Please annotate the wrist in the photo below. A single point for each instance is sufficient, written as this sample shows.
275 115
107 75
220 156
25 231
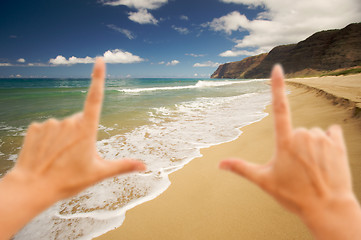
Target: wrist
334 218
30 189
22 198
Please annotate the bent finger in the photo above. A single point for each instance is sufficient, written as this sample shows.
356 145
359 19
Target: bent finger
94 100
335 133
32 138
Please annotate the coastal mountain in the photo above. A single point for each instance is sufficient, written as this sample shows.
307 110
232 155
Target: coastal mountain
238 69
320 53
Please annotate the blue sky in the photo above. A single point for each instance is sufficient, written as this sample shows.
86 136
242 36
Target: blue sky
154 38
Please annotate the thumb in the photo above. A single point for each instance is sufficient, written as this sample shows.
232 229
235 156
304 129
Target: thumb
113 168
248 170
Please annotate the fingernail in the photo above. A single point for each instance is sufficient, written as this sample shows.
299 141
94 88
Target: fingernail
140 168
224 167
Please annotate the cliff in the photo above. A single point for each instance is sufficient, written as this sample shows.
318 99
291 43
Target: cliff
238 69
322 52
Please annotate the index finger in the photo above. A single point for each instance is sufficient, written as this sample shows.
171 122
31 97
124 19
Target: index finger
94 100
282 116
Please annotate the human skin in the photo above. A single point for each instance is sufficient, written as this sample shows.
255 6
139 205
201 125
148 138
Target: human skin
58 160
308 173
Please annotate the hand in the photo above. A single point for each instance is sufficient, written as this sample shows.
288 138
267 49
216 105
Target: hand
309 173
62 154
58 160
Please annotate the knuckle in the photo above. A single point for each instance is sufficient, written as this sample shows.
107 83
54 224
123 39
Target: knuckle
300 133
76 117
340 147
67 122
52 122
94 97
266 184
316 129
335 127
315 133
301 136
280 106
34 127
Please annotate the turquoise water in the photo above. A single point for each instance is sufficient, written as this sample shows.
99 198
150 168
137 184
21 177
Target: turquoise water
163 122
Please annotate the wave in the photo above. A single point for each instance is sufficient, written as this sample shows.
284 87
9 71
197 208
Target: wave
165 144
199 84
138 90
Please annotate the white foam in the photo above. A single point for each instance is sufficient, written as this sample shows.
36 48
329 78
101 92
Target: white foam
224 83
13 157
199 84
105 129
12 130
172 139
1 143
138 90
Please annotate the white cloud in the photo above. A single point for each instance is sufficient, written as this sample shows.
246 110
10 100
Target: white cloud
181 30
15 76
236 53
124 31
231 22
21 60
24 65
38 65
162 62
75 60
110 56
195 55
172 63
184 17
138 4
285 22
143 17
118 56
60 60
206 64
245 2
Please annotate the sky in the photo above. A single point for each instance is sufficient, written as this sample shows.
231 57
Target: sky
154 38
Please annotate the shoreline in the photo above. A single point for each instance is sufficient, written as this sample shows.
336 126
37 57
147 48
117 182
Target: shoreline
344 91
205 203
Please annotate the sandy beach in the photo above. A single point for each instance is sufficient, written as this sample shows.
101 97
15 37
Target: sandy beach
204 202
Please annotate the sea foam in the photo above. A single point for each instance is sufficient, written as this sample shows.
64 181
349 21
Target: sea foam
173 137
199 84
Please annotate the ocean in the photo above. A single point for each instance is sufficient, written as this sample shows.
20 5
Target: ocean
161 121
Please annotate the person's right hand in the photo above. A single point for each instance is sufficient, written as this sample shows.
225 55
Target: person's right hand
308 174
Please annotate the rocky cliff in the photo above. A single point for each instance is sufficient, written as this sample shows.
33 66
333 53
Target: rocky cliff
323 51
238 69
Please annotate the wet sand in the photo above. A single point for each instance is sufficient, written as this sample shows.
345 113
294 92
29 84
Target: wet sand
204 202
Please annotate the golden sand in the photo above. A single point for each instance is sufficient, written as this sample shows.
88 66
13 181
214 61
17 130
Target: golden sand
204 202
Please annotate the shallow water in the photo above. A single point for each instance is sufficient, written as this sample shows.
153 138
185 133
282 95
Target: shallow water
163 122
